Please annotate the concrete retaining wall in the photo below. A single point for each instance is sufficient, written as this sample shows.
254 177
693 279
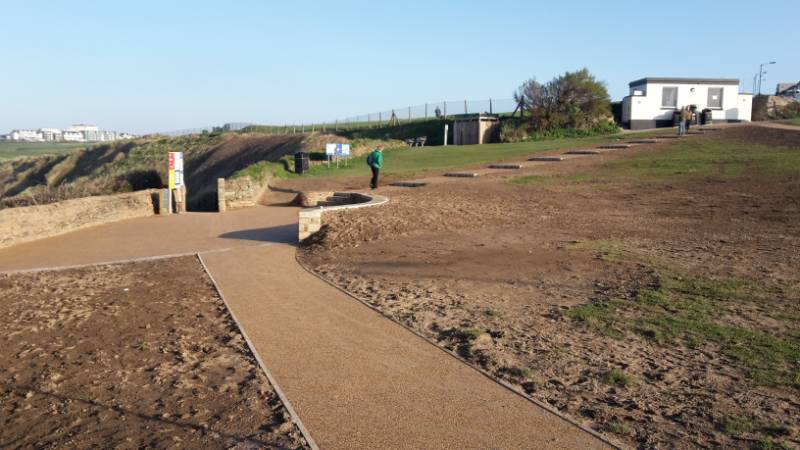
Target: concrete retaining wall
28 223
310 220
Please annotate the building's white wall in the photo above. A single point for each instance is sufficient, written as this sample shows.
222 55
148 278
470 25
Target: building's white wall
745 107
648 107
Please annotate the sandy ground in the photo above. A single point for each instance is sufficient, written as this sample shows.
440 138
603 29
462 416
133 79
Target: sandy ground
141 355
490 269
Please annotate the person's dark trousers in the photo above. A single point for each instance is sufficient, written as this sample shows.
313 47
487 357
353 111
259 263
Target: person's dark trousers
375 172
688 124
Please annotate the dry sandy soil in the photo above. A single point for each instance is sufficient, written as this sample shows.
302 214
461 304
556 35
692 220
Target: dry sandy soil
663 313
141 355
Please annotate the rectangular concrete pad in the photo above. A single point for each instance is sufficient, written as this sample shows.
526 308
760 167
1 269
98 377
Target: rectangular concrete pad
546 158
643 141
668 136
360 381
612 146
461 174
583 152
409 183
505 166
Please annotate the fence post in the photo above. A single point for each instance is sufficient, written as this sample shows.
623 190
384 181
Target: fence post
380 119
445 108
426 110
409 114
490 106
465 107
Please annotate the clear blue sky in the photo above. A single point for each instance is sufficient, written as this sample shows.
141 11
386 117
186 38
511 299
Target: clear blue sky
144 66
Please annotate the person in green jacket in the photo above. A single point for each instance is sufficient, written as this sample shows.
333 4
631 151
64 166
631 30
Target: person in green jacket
375 162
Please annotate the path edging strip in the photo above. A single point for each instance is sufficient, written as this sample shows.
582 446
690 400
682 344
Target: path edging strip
292 413
452 354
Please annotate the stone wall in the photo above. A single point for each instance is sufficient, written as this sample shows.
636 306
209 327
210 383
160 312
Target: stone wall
239 192
310 220
771 107
28 223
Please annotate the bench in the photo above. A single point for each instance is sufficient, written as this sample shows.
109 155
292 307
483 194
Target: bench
417 141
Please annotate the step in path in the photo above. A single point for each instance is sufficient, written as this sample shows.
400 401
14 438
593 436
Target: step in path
461 174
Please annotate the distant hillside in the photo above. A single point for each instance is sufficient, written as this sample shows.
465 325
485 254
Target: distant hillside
141 164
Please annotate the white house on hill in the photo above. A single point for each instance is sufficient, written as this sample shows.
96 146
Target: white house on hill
652 101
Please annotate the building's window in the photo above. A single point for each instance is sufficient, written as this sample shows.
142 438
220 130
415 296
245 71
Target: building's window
715 98
669 97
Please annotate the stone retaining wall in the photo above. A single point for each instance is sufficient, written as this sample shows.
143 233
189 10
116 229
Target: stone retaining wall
28 223
310 220
239 192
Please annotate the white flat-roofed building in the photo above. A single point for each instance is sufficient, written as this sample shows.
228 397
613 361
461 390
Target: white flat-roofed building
73 136
26 135
50 134
653 100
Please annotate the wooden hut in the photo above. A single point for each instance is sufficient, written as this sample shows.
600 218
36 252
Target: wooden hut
470 129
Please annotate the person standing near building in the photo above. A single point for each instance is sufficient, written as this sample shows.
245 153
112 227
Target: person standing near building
375 163
683 120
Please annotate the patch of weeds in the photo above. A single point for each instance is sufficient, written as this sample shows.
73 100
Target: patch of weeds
529 180
470 334
598 316
607 250
518 372
491 312
619 428
771 444
141 346
738 425
616 377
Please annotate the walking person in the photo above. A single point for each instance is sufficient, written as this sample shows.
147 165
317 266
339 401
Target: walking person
375 162
689 114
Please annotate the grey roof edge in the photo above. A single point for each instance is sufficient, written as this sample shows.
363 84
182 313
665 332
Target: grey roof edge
683 80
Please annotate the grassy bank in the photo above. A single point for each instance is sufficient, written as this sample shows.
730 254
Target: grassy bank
407 161
13 150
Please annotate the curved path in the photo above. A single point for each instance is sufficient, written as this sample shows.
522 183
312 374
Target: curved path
355 378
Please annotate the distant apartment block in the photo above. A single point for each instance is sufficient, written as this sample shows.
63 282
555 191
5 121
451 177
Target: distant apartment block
75 133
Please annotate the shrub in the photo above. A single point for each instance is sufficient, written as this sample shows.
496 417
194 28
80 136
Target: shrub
574 100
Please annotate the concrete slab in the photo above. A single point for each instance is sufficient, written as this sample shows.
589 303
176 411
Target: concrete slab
583 152
461 174
546 158
410 184
615 146
668 136
643 141
505 166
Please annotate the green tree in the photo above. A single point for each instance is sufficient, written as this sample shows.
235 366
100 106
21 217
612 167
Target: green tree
575 100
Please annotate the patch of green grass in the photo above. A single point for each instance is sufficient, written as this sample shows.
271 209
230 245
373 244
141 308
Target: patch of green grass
738 425
686 310
598 316
619 428
607 250
616 377
470 334
702 157
529 180
771 444
262 169
13 150
794 121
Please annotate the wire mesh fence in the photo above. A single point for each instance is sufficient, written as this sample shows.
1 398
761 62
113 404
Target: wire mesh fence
390 117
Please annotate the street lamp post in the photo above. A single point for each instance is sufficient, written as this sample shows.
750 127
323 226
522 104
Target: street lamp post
761 73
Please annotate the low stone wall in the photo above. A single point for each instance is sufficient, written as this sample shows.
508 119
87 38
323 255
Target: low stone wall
28 223
310 220
239 192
